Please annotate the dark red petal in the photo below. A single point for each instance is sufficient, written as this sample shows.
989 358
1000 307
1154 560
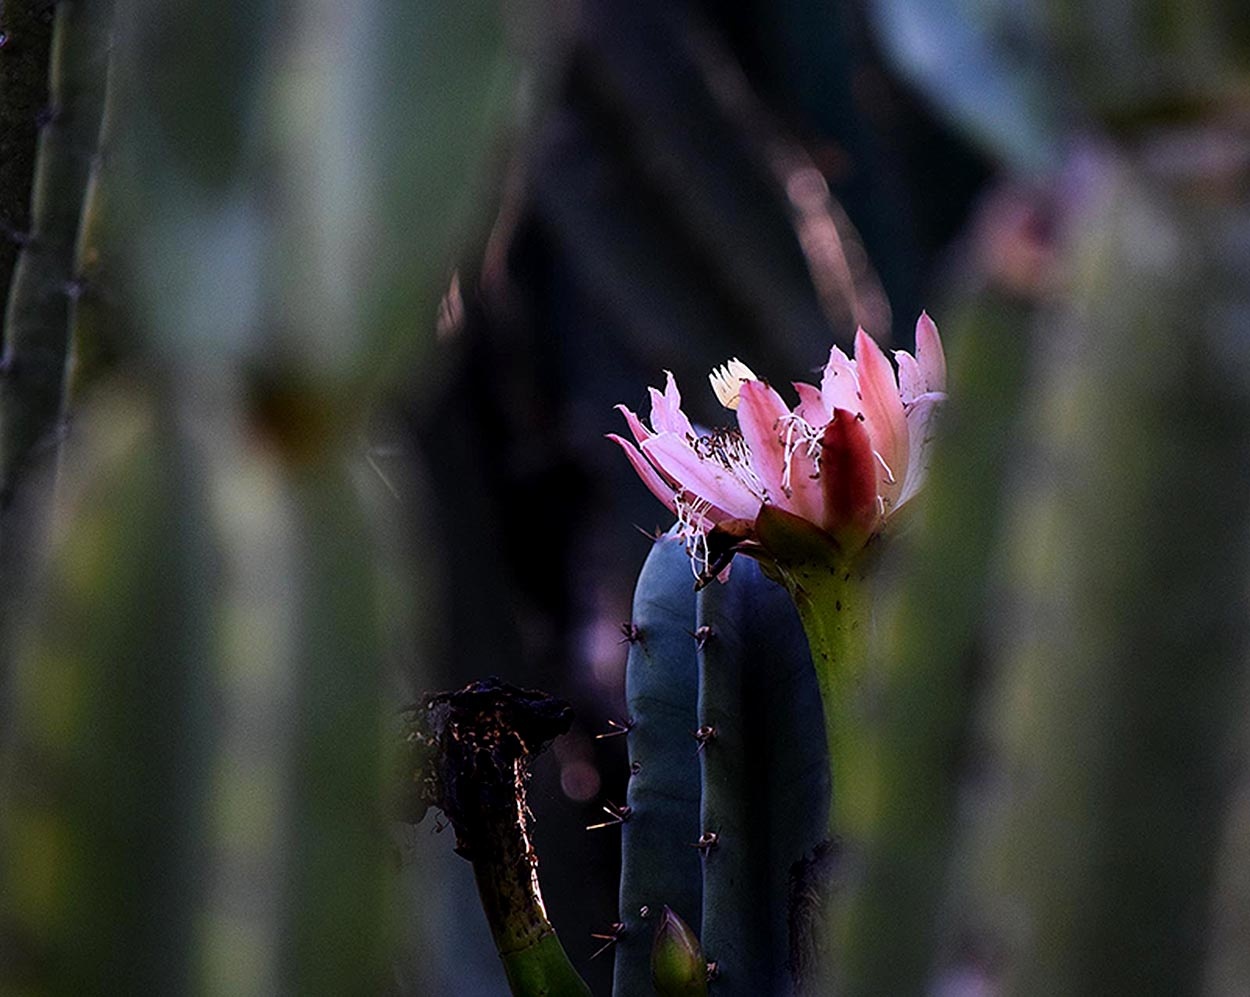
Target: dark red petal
848 480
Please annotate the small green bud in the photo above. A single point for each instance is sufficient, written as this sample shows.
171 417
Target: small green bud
678 968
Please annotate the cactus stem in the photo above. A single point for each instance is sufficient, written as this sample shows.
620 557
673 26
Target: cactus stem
484 738
834 611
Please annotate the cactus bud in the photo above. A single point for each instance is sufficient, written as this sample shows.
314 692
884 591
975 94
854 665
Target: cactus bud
678 968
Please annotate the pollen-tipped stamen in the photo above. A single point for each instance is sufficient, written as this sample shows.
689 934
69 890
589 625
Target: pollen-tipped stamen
798 433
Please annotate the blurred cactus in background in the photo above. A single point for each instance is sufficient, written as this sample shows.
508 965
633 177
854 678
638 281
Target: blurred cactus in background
193 786
1063 718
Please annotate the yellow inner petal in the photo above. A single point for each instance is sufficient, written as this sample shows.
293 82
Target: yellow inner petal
727 381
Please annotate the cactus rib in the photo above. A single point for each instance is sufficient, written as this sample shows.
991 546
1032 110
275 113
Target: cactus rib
658 865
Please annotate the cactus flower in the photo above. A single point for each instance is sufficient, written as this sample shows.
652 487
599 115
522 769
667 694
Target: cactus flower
849 455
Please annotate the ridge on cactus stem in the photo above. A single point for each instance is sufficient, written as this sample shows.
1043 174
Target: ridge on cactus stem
849 455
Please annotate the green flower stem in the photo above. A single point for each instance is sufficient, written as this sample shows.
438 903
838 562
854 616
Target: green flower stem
830 589
834 607
831 592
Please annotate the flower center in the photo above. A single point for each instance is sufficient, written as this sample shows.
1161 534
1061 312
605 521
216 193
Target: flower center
727 449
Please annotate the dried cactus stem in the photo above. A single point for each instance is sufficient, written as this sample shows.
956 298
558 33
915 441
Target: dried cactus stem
483 740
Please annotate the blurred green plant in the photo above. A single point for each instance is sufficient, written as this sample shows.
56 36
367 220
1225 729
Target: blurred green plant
36 330
1121 643
193 784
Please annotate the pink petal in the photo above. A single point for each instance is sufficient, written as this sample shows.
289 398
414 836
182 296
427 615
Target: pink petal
666 413
760 410
636 428
910 379
887 425
806 499
929 354
920 430
673 456
812 408
645 471
839 385
848 478
641 434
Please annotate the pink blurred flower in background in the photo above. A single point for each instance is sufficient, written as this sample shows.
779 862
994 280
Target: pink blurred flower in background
848 456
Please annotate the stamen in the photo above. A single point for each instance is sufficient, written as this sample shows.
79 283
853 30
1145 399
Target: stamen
727 381
727 448
692 527
799 433
889 475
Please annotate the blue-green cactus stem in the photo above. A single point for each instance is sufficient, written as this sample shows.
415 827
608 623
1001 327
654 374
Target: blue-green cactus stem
659 866
794 760
764 783
735 919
